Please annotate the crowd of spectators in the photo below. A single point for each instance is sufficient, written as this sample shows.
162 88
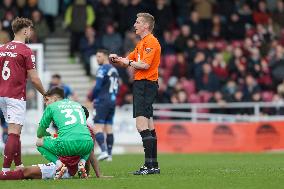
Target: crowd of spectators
42 12
212 50
221 51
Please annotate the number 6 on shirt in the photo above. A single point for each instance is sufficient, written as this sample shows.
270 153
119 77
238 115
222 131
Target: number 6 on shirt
6 72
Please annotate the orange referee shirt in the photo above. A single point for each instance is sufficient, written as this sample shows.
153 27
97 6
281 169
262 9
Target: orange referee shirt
148 50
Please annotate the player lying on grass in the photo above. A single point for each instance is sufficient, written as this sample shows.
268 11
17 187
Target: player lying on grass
48 171
74 138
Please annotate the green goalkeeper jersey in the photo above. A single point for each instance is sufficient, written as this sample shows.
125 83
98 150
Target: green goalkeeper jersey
70 119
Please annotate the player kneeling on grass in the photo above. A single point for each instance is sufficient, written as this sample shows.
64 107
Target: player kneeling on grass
48 171
74 138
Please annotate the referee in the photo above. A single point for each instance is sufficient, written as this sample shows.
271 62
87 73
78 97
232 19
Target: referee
145 59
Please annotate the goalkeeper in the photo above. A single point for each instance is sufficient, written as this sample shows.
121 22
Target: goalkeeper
74 138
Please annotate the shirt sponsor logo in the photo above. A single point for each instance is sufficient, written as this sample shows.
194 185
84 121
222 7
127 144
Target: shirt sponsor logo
10 54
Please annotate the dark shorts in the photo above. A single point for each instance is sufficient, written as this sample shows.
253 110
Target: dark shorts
144 94
104 113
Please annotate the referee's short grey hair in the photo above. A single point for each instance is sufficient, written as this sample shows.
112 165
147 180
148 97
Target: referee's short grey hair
148 18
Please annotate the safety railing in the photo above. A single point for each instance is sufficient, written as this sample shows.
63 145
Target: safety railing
197 112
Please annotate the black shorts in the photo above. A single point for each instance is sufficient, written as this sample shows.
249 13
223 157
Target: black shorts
104 113
144 94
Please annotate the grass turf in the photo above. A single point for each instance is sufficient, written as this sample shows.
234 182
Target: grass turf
177 171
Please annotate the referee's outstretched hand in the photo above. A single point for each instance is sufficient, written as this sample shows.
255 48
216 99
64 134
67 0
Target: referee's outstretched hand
115 59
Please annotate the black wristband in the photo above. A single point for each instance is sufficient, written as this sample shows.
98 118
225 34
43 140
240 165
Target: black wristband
129 63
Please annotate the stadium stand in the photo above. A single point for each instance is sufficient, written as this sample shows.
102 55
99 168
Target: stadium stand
212 53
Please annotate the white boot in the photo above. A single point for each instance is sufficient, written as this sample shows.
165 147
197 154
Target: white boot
103 156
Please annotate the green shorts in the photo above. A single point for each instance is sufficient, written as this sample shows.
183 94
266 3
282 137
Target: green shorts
60 147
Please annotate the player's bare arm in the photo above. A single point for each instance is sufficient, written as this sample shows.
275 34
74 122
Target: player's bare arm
125 62
33 75
95 165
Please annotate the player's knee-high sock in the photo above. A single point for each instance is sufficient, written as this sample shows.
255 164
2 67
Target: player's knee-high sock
100 138
12 175
10 150
47 154
18 154
147 140
109 141
154 151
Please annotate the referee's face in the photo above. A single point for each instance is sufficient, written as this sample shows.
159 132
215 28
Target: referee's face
139 26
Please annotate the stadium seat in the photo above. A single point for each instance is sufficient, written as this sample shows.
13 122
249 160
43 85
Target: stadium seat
170 61
202 44
267 96
189 86
194 98
221 45
205 96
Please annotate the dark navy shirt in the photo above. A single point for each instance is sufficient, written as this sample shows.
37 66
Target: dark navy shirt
106 87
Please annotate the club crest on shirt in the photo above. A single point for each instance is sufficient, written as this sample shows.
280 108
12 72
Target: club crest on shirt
33 58
148 50
100 73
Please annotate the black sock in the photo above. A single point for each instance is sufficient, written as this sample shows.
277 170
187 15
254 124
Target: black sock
154 151
109 141
147 140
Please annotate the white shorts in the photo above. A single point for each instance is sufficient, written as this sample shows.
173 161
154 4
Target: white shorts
48 171
13 109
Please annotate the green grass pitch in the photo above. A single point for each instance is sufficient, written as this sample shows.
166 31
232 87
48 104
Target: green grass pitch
177 171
